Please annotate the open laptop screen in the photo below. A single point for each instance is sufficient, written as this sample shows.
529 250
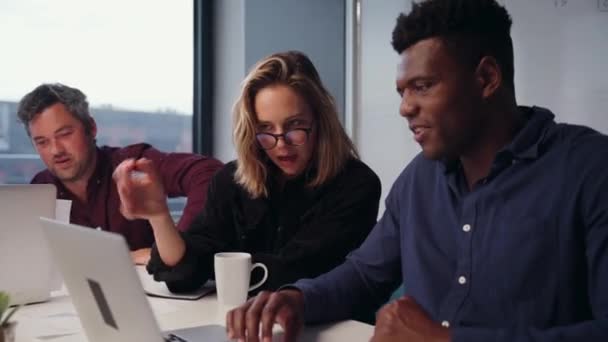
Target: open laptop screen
106 290
25 263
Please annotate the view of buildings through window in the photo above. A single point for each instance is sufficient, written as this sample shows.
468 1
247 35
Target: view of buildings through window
116 127
133 60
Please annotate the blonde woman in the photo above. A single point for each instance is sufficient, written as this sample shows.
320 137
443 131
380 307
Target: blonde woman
297 197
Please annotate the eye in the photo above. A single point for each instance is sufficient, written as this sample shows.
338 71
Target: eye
63 134
40 142
297 123
422 86
264 128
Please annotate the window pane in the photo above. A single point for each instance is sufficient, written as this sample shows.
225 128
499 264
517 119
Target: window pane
133 59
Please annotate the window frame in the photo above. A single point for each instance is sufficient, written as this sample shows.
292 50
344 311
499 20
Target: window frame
202 107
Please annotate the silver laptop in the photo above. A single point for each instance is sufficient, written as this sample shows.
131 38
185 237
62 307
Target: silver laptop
106 290
25 264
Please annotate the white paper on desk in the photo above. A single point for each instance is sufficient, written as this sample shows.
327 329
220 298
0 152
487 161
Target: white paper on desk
160 306
52 325
63 209
159 289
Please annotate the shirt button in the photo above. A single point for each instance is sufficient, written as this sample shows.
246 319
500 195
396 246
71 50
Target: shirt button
445 324
462 280
466 228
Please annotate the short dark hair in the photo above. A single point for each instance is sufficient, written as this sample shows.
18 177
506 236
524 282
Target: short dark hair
48 94
471 29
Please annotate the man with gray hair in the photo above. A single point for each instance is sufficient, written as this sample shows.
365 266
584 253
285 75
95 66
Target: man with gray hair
57 119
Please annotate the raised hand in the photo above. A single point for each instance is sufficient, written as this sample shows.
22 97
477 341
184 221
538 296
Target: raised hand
141 191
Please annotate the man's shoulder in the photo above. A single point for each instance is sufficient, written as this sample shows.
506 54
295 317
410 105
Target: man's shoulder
583 146
118 154
139 150
579 140
579 133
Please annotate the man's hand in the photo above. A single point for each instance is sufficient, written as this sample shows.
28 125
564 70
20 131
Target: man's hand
141 256
285 307
141 191
405 320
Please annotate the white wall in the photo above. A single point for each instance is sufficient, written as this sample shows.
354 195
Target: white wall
272 26
383 137
561 58
246 31
561 62
229 43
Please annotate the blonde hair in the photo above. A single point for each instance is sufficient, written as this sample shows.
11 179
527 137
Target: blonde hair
333 147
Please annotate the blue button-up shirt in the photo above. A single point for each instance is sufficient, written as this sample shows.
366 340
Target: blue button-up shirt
523 256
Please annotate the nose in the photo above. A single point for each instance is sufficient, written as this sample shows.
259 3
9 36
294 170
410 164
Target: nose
56 147
408 107
281 141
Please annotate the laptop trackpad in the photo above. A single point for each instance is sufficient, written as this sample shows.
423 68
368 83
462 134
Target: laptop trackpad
206 333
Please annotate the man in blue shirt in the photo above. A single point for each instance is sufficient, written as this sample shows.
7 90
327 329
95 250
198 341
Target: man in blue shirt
498 229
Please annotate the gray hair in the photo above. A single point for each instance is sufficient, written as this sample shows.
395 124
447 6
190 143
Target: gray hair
48 94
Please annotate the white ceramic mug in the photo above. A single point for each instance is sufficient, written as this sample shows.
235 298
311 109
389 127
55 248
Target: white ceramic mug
232 276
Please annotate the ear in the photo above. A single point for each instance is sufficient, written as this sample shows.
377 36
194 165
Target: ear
93 128
488 76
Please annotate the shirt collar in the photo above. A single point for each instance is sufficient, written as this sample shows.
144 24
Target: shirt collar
101 166
526 143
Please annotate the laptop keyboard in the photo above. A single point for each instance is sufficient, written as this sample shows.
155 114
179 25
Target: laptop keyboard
174 338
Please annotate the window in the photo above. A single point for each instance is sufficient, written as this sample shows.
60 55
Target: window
133 59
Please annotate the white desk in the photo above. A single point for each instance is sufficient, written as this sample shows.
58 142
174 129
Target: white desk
57 321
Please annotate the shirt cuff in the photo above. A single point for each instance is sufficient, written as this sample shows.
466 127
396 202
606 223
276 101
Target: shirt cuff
313 308
187 275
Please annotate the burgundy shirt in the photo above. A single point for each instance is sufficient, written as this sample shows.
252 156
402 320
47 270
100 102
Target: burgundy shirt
183 174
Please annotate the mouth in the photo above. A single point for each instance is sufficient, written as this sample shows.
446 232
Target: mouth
420 132
62 161
287 160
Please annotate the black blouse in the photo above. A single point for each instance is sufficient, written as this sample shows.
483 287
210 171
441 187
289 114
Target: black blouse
297 232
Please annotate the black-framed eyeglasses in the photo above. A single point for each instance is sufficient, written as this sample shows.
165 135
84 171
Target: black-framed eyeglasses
292 137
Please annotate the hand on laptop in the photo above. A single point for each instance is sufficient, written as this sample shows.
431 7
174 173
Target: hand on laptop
285 307
141 256
141 191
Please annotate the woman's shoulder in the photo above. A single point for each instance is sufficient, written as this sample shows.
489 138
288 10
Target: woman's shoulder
225 182
358 168
356 172
225 176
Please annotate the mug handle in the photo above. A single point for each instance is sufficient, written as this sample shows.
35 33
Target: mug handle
259 283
